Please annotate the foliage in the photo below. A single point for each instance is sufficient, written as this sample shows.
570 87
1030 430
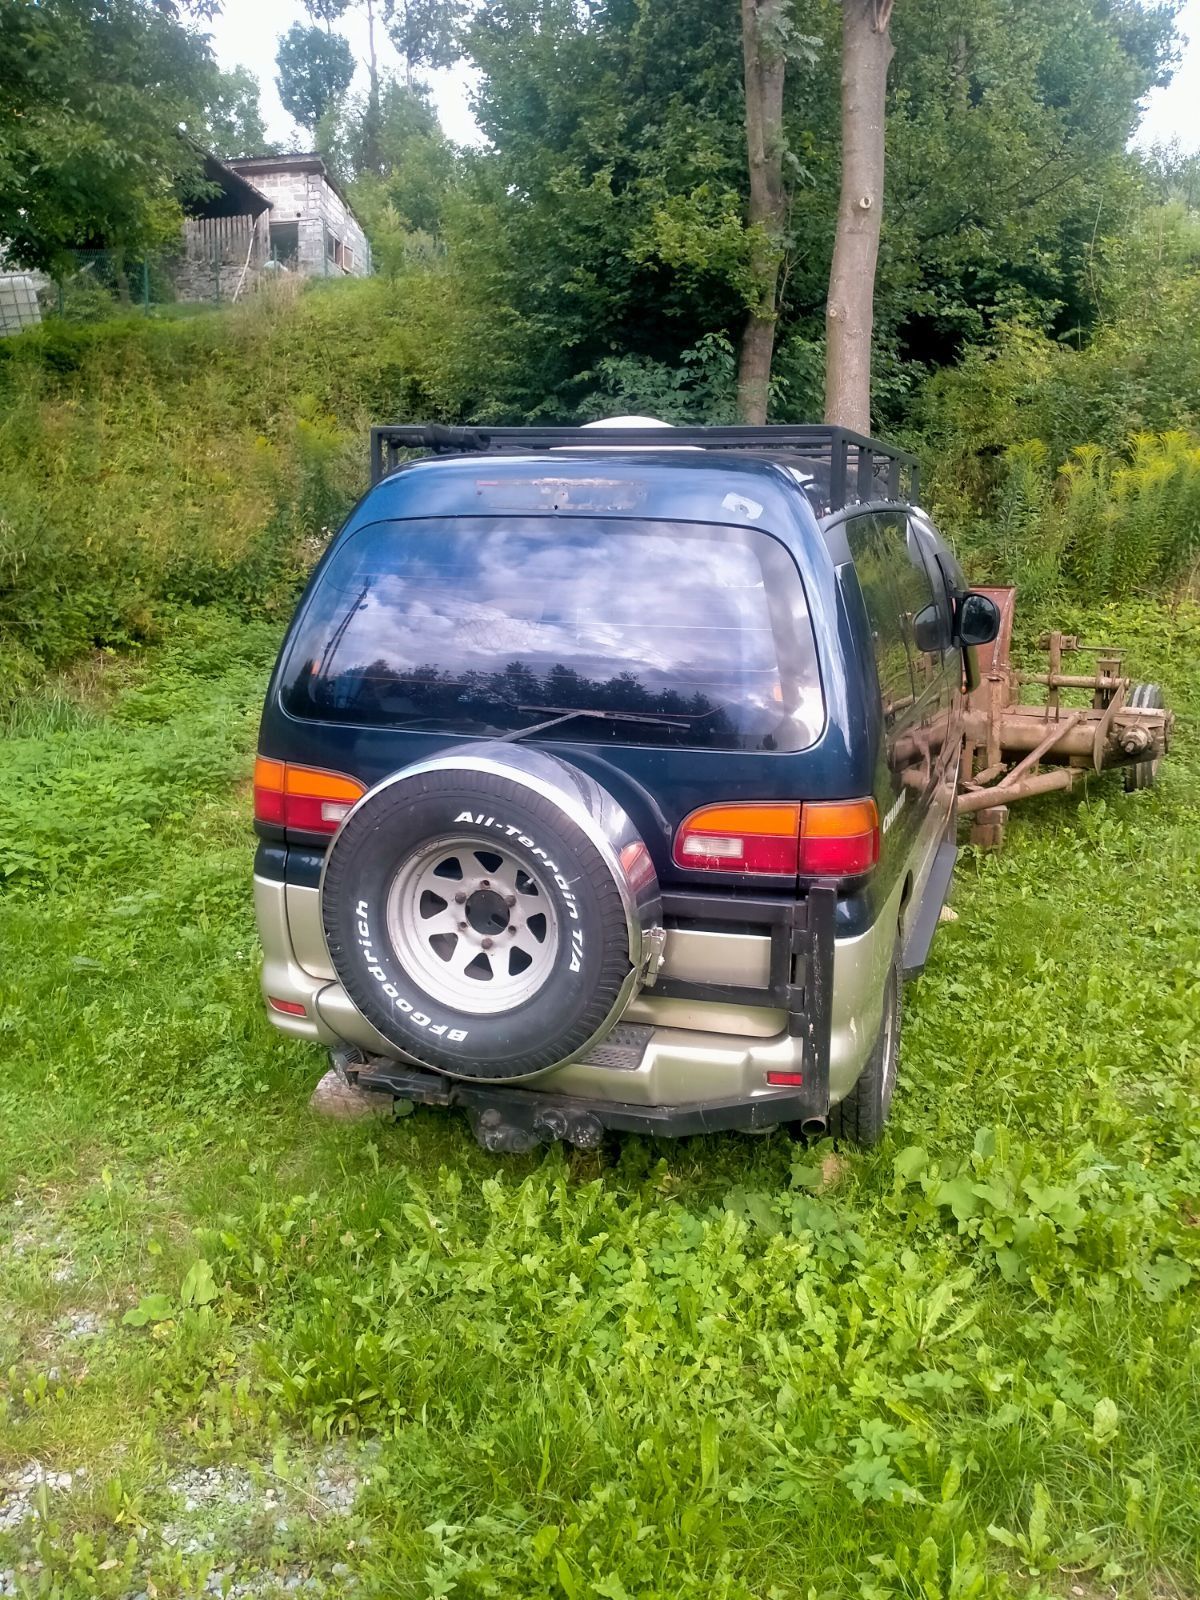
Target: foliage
609 215
315 69
81 164
1063 464
398 165
233 121
426 33
145 465
955 1366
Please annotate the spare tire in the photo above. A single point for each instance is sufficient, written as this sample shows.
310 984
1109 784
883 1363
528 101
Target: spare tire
490 913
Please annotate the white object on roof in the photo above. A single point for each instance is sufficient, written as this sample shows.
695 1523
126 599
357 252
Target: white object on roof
633 422
629 422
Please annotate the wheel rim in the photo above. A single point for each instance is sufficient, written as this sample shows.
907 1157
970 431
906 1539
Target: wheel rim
473 925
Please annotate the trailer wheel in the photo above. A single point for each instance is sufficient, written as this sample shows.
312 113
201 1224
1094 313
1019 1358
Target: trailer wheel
860 1117
1141 774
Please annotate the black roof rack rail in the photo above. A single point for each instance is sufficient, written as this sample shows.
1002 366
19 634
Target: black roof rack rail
850 467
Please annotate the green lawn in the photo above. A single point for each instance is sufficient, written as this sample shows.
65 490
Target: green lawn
252 1353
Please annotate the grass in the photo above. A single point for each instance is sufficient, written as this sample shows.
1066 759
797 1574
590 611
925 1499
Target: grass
253 1350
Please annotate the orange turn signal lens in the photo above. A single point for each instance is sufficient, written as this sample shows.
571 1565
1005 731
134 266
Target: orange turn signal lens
303 797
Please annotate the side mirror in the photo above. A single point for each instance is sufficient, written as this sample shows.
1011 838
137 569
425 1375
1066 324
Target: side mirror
927 631
978 620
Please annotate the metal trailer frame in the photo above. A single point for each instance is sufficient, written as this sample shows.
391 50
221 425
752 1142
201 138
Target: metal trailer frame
1013 750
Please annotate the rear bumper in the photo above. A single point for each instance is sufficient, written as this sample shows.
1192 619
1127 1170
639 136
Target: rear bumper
516 1119
692 1055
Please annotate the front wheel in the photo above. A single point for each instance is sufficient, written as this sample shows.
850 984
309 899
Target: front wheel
861 1116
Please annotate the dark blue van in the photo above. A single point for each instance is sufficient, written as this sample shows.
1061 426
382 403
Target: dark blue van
607 775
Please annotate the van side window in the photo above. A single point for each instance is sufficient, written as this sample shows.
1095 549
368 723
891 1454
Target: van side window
920 620
878 548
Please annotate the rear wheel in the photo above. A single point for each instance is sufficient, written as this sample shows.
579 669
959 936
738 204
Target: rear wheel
861 1116
1141 774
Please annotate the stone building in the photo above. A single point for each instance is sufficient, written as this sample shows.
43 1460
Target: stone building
253 218
268 214
312 228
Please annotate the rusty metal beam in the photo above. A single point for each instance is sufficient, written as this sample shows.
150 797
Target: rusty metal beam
1003 794
1056 732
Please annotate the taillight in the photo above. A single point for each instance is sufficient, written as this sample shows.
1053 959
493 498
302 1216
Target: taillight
819 839
302 797
745 838
838 838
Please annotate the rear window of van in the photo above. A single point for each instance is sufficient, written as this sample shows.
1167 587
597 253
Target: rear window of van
633 632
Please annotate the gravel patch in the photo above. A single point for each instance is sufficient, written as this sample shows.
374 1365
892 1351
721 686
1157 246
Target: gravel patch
221 1513
19 1490
81 1324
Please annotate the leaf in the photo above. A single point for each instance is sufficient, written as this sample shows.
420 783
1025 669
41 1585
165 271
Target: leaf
1038 1541
911 1160
1165 1277
959 1194
544 1540
568 1580
710 1448
1106 1420
150 1308
198 1287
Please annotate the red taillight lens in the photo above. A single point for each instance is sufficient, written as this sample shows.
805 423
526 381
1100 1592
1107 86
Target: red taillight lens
819 839
740 838
302 797
838 838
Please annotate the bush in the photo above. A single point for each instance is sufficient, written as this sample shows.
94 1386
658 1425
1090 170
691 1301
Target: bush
146 464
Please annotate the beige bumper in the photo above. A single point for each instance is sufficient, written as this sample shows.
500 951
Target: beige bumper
692 1052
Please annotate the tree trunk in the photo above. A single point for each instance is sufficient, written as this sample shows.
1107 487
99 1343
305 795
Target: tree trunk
765 66
370 154
849 315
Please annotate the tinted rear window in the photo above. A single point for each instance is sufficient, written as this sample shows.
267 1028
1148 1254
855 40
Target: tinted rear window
488 625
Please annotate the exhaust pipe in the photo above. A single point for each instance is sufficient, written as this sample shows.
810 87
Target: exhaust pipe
814 1127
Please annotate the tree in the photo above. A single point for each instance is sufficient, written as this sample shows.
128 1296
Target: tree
327 11
610 219
764 67
233 122
426 33
315 71
91 102
849 318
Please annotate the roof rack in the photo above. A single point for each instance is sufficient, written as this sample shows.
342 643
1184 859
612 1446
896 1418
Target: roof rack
846 468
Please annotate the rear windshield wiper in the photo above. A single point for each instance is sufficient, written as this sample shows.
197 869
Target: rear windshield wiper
569 713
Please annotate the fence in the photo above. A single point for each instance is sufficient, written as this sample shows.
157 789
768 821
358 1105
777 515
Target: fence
218 261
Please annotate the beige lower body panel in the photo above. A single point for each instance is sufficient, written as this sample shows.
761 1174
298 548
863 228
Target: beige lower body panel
698 1051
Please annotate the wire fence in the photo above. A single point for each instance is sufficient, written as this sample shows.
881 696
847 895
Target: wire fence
218 261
